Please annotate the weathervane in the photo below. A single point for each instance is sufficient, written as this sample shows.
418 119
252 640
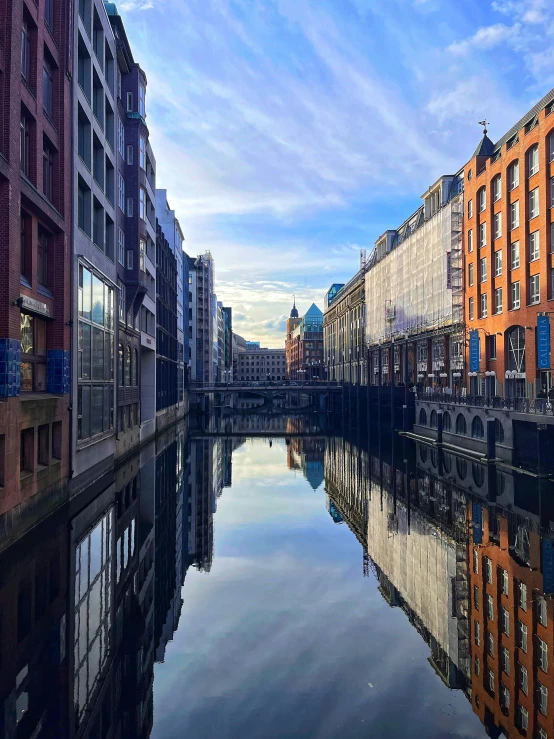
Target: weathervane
484 124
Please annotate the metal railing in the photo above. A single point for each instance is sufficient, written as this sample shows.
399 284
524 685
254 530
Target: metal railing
543 406
322 384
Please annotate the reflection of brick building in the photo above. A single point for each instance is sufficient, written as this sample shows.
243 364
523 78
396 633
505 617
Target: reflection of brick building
304 345
35 203
511 626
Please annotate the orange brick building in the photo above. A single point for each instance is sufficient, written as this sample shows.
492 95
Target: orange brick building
508 253
511 627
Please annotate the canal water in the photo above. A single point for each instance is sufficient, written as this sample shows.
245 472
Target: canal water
266 579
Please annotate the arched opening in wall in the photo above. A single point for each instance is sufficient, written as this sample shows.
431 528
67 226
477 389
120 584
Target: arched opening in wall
446 421
447 462
433 420
478 474
461 426
514 341
499 428
423 417
434 457
477 428
461 468
423 453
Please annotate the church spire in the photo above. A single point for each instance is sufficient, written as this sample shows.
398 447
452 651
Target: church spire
294 312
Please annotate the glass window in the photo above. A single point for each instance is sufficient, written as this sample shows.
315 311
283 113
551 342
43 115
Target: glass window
497 188
483 269
476 597
142 153
483 306
47 86
128 365
514 255
514 215
470 209
534 246
522 635
33 354
533 159
121 191
470 240
543 699
515 296
482 199
498 300
505 621
142 101
490 644
477 632
497 225
542 617
482 234
542 654
534 289
142 203
513 175
534 203
505 660
476 561
471 309
488 562
505 582
470 274
120 246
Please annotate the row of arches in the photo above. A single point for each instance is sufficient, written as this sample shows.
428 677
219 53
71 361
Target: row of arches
127 366
477 426
478 471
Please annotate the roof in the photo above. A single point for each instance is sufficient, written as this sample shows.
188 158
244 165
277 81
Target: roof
313 310
485 148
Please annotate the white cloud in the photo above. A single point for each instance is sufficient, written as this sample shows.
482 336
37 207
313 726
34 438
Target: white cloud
484 38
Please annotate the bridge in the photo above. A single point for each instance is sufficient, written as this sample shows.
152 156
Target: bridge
268 387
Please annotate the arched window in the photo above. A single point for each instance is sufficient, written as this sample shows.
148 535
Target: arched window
533 160
446 421
461 426
127 365
513 175
447 462
134 372
482 199
422 417
434 457
461 468
497 188
120 367
551 147
499 431
477 428
478 474
433 420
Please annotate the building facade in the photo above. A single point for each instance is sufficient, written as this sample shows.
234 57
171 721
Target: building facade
508 241
174 236
167 367
227 344
238 347
345 357
35 203
95 293
413 295
204 337
304 345
261 365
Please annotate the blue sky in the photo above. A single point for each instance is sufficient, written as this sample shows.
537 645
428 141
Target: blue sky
291 133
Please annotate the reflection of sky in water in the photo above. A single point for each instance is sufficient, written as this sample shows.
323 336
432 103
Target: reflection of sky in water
284 635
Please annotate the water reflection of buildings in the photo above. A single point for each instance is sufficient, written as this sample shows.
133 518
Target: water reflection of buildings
306 455
451 543
90 599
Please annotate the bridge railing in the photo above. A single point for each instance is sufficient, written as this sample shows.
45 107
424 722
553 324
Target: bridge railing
544 406
200 384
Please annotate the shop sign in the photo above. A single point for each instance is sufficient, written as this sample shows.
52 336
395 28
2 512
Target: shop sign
543 342
474 351
33 306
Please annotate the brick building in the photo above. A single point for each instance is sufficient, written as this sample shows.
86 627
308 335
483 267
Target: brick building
304 345
508 245
35 227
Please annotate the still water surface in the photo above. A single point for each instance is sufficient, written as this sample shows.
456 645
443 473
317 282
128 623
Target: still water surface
225 586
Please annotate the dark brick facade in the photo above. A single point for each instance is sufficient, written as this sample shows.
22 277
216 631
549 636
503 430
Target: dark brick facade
35 203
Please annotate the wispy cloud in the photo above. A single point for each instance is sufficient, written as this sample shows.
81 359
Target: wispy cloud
484 38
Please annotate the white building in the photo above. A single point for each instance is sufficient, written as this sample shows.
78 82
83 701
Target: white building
413 294
261 364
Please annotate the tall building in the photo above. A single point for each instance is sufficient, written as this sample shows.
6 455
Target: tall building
35 207
96 298
174 236
509 238
204 319
136 209
167 368
345 355
227 344
239 346
413 295
304 345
